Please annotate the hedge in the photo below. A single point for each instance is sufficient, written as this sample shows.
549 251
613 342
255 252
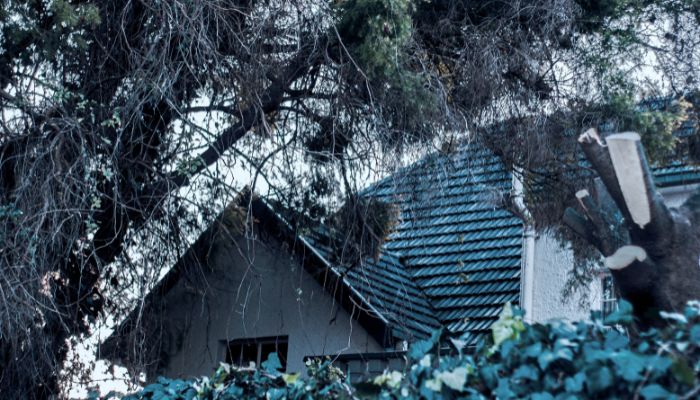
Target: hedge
557 360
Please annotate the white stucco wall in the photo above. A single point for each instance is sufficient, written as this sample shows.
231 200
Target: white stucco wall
551 265
675 196
548 268
257 290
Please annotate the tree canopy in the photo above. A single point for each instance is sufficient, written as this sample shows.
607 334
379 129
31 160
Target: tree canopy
122 122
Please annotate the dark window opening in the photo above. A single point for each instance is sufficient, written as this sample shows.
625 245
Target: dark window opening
243 352
609 296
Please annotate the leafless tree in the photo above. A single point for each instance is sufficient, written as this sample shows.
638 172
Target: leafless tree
121 121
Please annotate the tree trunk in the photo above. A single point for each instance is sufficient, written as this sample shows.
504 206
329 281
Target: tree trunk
31 369
654 262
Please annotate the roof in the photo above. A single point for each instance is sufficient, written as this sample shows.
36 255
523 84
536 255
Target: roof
457 239
389 287
120 342
455 257
683 170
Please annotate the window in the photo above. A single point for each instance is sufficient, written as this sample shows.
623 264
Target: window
609 299
242 352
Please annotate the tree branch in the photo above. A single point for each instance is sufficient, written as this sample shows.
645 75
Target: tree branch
209 108
600 159
626 175
270 101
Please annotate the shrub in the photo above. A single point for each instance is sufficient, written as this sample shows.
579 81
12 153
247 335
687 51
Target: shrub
558 360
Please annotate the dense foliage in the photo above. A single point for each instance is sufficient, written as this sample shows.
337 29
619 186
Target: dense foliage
558 360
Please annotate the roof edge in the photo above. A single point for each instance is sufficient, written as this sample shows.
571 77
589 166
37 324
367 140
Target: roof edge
371 319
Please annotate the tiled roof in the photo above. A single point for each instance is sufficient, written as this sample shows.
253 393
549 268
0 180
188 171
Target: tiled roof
682 171
459 243
388 286
676 174
454 259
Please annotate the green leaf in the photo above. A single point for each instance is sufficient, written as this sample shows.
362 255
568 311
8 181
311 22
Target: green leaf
548 357
652 392
290 379
623 314
503 390
526 371
455 380
682 371
545 358
673 317
614 340
533 350
391 379
542 396
275 394
508 326
489 374
599 379
273 364
629 365
420 348
695 334
574 384
659 364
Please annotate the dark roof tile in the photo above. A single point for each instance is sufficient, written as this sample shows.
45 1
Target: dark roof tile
454 259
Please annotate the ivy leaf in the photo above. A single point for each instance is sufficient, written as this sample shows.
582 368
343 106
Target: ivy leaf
434 385
623 314
455 380
391 379
290 379
547 357
659 364
420 348
614 340
272 365
489 374
652 392
629 365
673 317
503 390
534 350
526 371
599 379
574 384
682 371
544 359
275 393
695 334
508 326
542 396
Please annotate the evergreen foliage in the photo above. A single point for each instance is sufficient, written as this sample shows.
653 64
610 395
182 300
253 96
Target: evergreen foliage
557 360
360 228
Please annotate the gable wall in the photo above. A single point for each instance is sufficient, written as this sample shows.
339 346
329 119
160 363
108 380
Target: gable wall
256 289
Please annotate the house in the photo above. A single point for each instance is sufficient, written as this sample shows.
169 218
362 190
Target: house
453 261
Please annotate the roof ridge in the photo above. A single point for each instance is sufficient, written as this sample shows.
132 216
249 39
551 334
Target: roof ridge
428 157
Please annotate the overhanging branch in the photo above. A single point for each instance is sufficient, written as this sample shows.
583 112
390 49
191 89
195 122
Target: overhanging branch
270 101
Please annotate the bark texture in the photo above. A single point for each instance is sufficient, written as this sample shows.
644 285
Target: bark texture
653 251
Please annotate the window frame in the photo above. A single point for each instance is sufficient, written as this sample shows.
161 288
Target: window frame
609 296
258 342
